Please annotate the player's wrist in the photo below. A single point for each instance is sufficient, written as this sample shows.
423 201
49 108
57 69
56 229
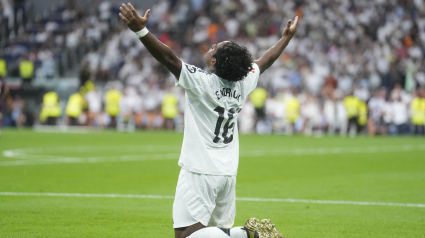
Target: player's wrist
287 35
143 32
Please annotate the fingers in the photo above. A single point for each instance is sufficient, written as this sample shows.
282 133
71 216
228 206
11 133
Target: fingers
124 19
124 12
288 24
133 10
296 21
126 8
147 14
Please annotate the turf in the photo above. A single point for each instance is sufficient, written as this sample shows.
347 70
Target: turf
378 169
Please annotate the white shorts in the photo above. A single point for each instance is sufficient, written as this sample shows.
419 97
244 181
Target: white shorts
208 199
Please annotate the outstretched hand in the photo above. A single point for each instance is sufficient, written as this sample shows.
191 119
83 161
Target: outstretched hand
290 30
133 20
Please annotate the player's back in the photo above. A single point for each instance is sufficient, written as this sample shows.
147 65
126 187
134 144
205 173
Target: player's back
211 144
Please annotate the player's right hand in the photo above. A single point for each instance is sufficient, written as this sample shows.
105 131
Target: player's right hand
133 20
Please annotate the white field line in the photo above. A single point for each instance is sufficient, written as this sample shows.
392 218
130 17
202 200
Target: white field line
334 150
288 200
33 156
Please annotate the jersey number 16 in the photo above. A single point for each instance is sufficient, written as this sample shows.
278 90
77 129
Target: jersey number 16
228 125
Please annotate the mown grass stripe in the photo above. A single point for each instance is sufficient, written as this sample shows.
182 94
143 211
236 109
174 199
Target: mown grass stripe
287 200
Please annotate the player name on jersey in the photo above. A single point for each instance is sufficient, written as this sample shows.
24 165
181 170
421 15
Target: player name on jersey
227 92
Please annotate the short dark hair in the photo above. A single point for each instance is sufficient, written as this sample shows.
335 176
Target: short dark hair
233 62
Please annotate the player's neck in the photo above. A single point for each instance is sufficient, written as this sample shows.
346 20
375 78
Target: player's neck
211 69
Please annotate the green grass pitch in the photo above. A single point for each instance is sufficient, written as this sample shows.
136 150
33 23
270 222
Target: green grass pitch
363 169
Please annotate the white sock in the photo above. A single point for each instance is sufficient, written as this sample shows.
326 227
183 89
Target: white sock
209 232
214 232
238 232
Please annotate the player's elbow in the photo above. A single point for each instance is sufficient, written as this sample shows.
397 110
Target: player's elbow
174 65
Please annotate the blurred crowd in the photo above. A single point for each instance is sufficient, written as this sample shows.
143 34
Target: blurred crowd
50 43
124 110
353 66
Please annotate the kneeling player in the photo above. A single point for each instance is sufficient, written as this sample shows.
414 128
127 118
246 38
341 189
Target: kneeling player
204 204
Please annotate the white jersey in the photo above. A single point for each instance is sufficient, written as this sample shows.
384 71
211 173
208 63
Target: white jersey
212 105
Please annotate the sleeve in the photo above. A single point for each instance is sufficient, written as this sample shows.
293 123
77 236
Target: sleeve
250 82
192 79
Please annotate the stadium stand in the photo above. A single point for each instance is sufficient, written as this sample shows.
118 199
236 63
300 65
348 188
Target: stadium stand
372 51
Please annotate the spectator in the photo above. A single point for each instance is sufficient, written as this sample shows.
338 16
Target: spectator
15 51
345 83
18 115
376 106
94 101
126 107
19 7
335 113
351 48
312 115
400 114
46 57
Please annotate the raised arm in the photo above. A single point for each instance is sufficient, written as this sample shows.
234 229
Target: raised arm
271 55
158 50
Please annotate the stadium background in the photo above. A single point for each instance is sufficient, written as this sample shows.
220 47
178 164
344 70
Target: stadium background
372 50
100 183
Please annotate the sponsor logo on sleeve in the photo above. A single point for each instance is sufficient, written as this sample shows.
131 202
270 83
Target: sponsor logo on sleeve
192 69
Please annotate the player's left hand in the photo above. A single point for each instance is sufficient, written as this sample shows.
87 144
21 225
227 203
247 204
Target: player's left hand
133 20
290 30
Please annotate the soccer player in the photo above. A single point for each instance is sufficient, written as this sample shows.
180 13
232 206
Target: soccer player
204 204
